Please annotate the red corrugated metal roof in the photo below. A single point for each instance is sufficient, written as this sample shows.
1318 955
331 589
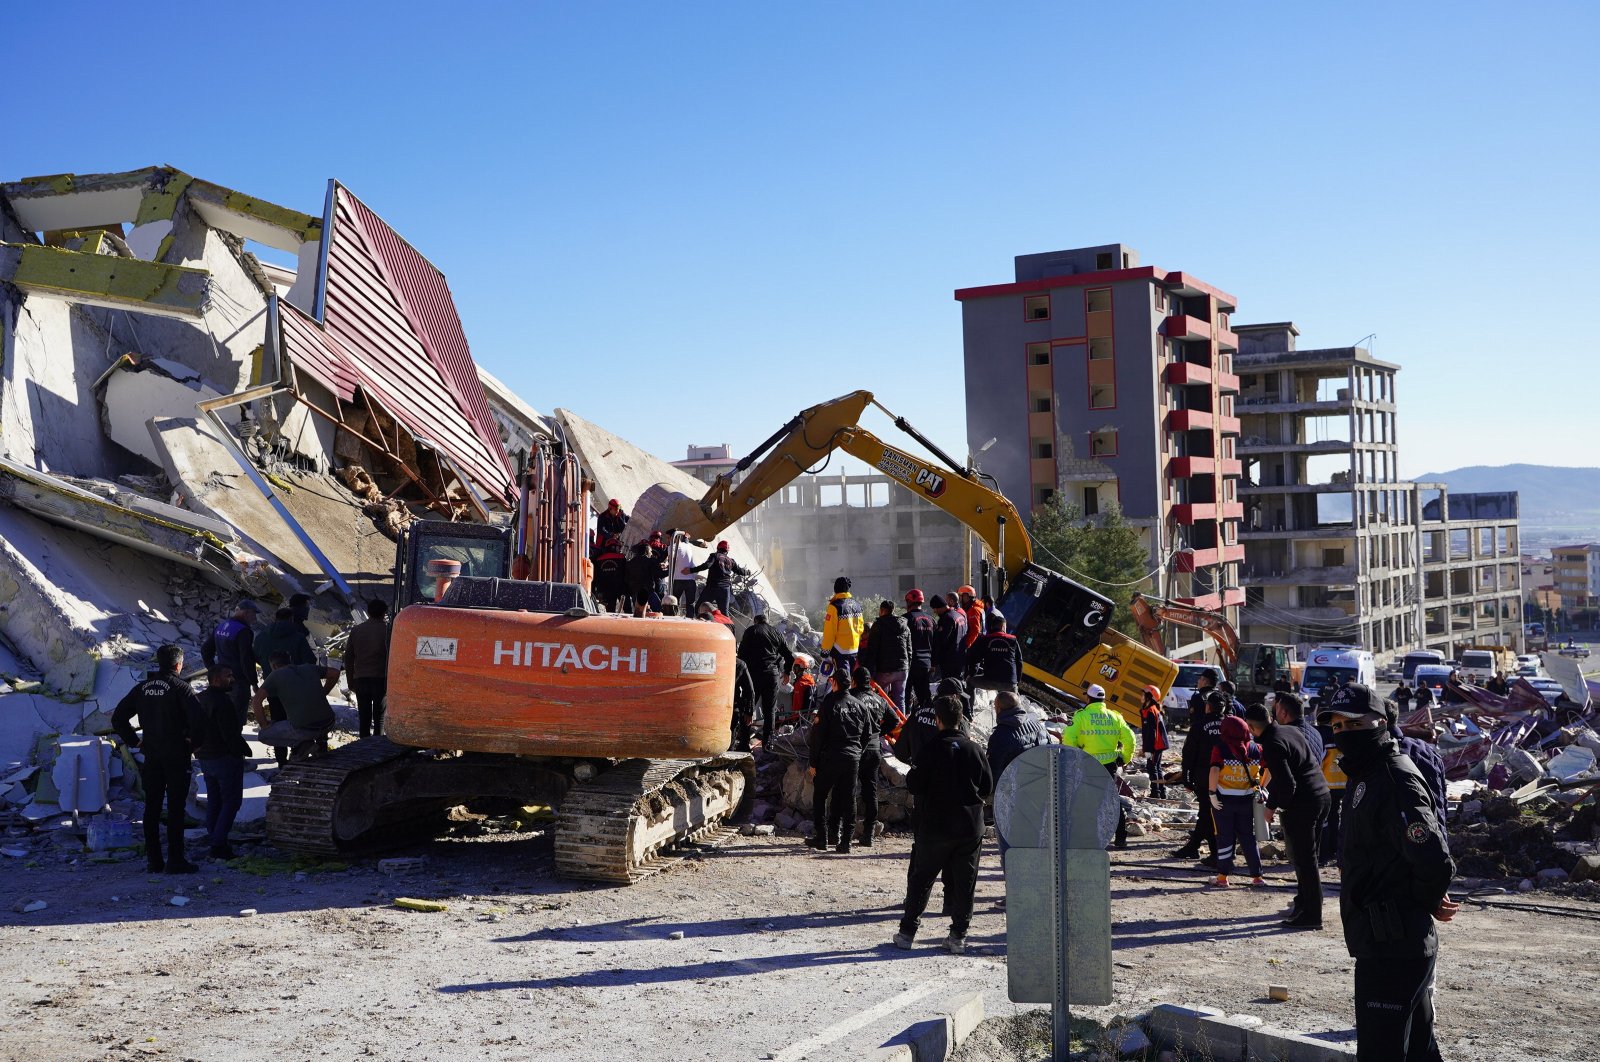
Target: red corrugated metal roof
390 327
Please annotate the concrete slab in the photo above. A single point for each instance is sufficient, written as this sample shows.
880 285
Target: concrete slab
135 391
623 471
1269 1044
1176 1026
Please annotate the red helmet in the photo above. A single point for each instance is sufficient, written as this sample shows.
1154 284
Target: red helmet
722 547
914 597
966 590
655 536
613 504
1154 691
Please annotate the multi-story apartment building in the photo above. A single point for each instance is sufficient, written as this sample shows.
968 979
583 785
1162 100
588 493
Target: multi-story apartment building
1577 574
706 463
1101 379
1331 533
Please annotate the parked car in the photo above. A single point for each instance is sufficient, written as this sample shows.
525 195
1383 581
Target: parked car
1183 687
1549 689
1529 671
1525 659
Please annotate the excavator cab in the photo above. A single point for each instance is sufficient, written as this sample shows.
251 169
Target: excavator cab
1057 621
481 551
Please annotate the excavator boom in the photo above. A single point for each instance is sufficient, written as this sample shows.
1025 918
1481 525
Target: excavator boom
1149 612
1063 626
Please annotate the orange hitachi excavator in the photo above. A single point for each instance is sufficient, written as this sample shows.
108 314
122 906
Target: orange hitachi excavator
521 689
1253 666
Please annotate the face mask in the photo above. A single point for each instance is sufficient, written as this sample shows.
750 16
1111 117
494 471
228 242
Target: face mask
1357 741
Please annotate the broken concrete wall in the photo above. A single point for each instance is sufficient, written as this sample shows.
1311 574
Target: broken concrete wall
152 388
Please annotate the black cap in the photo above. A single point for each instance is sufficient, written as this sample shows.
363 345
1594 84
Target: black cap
1354 701
1257 713
841 585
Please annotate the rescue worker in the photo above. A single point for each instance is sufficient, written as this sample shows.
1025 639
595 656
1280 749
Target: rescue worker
168 713
1296 790
840 729
610 524
720 569
1017 728
959 614
221 750
669 606
1100 732
888 653
1204 731
610 580
1153 739
949 656
710 612
801 687
232 643
1395 883
919 680
1328 847
1234 787
1197 702
366 659
767 656
970 607
950 780
881 720
658 553
994 662
842 624
643 574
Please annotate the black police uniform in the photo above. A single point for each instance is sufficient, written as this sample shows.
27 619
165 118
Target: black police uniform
1396 870
170 717
919 684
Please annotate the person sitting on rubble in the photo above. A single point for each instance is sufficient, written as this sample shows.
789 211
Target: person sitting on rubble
301 692
168 710
283 635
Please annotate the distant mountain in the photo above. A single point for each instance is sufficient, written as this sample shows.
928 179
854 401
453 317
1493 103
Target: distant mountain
1558 505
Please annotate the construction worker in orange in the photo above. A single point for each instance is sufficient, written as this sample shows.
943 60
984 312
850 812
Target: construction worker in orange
972 609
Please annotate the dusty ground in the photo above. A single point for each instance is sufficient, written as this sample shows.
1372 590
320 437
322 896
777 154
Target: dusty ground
782 951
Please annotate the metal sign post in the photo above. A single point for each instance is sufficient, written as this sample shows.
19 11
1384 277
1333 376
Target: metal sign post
1056 809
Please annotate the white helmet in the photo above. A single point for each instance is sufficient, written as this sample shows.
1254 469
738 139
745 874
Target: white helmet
1096 692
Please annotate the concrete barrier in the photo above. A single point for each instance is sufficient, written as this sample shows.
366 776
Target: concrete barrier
936 1039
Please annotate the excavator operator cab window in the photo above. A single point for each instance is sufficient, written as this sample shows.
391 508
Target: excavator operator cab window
478 557
1057 621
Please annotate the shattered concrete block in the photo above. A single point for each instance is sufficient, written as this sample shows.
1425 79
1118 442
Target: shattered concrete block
179 901
1551 875
1178 1027
1588 868
1281 1045
1129 1041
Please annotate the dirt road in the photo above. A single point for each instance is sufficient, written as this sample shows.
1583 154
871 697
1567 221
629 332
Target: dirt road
784 954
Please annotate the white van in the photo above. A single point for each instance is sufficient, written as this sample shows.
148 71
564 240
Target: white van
1176 704
1434 677
1332 665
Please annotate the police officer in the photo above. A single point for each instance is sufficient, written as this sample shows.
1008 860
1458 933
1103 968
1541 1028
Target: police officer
1104 735
1396 879
169 716
768 656
1205 730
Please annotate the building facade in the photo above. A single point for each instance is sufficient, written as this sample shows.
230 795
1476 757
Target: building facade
1576 575
1103 380
706 463
1337 547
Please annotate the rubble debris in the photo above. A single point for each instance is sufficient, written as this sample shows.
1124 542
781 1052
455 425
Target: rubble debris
30 906
401 864
179 901
248 912
428 906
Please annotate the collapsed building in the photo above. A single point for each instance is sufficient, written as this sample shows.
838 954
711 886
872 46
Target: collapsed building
183 423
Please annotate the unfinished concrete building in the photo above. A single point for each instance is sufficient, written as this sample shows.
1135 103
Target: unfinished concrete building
885 538
1469 568
1330 540
1331 533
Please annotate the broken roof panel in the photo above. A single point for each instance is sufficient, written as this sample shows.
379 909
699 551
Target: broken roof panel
389 326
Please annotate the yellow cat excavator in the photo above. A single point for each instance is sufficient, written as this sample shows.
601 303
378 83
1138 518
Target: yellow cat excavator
1064 628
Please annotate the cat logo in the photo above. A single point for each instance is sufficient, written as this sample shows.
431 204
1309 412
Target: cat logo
1108 672
931 482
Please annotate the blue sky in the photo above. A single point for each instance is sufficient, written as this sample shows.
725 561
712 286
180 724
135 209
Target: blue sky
686 222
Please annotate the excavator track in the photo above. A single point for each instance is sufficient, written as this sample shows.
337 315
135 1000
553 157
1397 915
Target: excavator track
303 808
636 818
1052 701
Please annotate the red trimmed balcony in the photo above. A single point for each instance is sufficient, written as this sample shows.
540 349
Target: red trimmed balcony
1208 602
1191 419
1228 425
1232 510
1232 553
1226 340
1189 560
1194 512
1233 596
1231 466
1227 382
1182 326
1187 372
1184 467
